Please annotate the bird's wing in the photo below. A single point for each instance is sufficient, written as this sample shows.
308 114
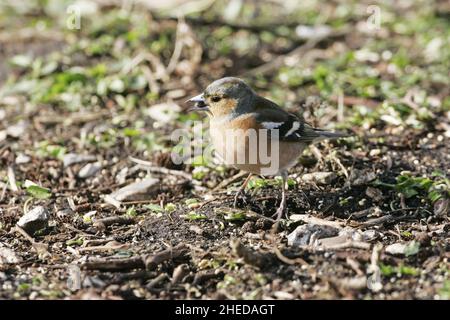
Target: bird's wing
290 127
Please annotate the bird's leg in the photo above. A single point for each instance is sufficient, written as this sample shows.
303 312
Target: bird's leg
241 189
282 207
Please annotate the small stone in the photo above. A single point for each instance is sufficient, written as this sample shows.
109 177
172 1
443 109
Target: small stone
64 213
408 249
34 220
375 152
8 256
396 248
73 158
22 158
359 177
89 170
303 234
136 191
323 178
18 129
370 235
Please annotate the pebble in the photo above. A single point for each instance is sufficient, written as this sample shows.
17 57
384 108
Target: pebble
34 220
89 170
323 178
22 158
396 248
18 129
140 190
301 236
73 158
8 256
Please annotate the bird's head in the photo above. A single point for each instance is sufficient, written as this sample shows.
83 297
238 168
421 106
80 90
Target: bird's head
223 97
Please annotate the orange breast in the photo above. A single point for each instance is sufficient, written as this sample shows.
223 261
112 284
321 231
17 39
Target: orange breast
245 144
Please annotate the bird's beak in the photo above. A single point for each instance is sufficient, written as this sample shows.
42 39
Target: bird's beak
200 103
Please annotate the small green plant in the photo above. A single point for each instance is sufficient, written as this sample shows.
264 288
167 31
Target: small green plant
39 192
192 215
259 183
153 207
75 242
131 212
411 186
234 216
402 270
45 149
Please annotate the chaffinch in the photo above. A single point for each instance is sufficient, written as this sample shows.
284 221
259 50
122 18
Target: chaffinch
253 133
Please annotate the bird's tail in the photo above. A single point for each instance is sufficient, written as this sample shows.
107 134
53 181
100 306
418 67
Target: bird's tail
324 134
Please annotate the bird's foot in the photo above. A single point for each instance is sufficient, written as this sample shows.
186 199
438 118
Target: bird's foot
279 213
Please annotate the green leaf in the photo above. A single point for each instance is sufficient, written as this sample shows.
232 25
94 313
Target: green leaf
39 192
132 212
412 248
154 207
195 216
409 192
235 216
130 132
75 242
170 207
434 196
257 183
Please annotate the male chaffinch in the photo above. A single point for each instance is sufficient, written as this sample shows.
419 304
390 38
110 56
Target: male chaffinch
253 133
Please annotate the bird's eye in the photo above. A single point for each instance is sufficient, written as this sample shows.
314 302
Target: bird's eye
216 99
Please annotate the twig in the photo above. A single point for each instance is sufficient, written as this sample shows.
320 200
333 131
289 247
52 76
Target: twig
150 167
230 180
105 222
107 247
154 282
114 264
152 261
41 248
12 179
364 213
374 281
179 273
339 163
354 265
5 186
179 43
387 219
314 220
287 260
345 245
203 276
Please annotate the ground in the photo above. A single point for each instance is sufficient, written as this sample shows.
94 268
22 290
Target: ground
113 88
